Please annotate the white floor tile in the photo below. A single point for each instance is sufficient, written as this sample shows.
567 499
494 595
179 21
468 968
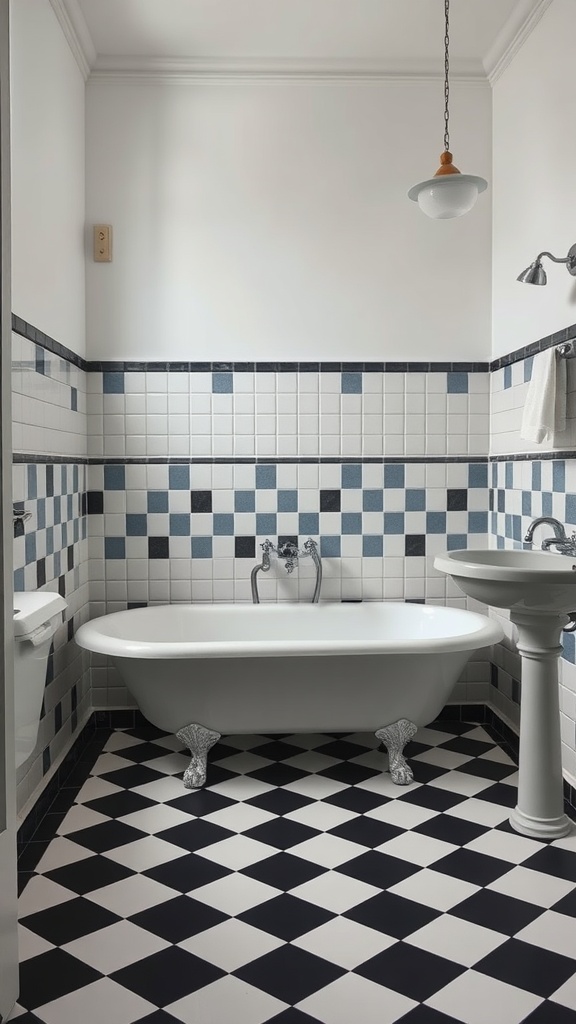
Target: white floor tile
383 786
566 994
170 764
237 852
42 893
505 845
352 997
317 787
110 763
94 788
553 931
475 998
461 941
226 1000
364 739
480 811
231 944
239 817
243 762
459 782
404 815
61 852
145 853
79 817
321 815
103 1000
499 755
532 886
246 741
120 740
433 889
443 758
155 819
376 759
417 848
433 736
131 895
344 942
18 1011
479 734
311 761
335 892
170 743
110 949
30 944
235 893
327 850
241 788
162 790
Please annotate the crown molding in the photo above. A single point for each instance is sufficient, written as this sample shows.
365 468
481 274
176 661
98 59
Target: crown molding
512 36
140 70
76 32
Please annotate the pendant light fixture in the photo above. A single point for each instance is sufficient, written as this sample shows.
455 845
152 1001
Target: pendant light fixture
449 193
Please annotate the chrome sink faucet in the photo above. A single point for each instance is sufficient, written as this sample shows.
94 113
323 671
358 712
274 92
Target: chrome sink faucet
565 545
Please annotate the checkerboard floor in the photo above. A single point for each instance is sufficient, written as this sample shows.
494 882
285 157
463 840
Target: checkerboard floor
301 886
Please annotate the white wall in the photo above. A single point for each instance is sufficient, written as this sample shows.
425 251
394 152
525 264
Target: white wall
268 220
533 181
48 173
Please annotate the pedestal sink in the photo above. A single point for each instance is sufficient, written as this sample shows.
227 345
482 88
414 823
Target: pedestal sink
539 589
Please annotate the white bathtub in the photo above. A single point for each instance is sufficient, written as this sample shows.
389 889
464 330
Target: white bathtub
289 667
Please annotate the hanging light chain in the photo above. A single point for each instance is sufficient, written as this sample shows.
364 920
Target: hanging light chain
446 73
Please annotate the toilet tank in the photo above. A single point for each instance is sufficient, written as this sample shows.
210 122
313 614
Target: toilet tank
37 615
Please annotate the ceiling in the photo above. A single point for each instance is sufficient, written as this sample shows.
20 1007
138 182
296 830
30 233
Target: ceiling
390 35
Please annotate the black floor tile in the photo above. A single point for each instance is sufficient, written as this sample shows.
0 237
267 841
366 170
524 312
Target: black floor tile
139 752
414 972
178 919
283 871
496 911
280 801
68 921
483 768
550 1012
133 776
464 745
359 800
366 831
118 804
342 749
349 773
106 836
277 774
187 872
50 976
426 1015
200 802
195 835
473 867
281 833
392 915
432 798
567 905
378 869
286 917
276 750
167 976
501 794
450 829
86 875
289 973
526 966
553 861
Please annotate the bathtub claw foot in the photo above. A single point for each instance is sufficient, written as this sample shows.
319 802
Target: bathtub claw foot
395 737
199 740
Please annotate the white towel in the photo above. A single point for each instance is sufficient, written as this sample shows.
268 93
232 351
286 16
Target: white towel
545 408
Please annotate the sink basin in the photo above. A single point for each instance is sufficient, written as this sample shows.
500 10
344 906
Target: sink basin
529 580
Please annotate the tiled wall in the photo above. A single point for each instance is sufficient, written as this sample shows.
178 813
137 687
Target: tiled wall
49 435
191 467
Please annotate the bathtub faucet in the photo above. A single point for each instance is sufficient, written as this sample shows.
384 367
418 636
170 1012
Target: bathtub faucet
290 553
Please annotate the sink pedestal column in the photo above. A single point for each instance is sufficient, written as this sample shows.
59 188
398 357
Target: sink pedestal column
540 809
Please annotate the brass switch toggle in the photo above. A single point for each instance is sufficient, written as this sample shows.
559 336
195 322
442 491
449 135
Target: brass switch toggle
103 243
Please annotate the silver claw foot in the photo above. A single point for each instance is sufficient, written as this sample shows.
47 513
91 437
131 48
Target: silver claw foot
395 737
199 740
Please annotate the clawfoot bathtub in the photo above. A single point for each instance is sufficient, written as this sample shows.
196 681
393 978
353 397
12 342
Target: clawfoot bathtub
200 670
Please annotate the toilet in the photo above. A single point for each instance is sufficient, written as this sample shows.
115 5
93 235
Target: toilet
37 616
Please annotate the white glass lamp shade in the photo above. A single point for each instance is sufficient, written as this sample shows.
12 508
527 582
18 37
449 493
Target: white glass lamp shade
446 196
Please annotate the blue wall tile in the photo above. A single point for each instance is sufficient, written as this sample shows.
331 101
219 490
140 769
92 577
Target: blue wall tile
351 383
393 522
157 501
435 522
394 476
507 377
114 478
266 524
477 475
179 478
415 499
455 541
372 500
528 364
287 501
266 478
222 383
244 501
179 524
115 547
372 546
330 547
223 524
136 524
201 547
309 524
457 383
351 476
351 522
477 522
559 475
113 382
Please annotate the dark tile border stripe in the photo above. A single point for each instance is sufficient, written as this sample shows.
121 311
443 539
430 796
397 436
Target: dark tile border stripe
533 456
264 460
22 327
566 334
